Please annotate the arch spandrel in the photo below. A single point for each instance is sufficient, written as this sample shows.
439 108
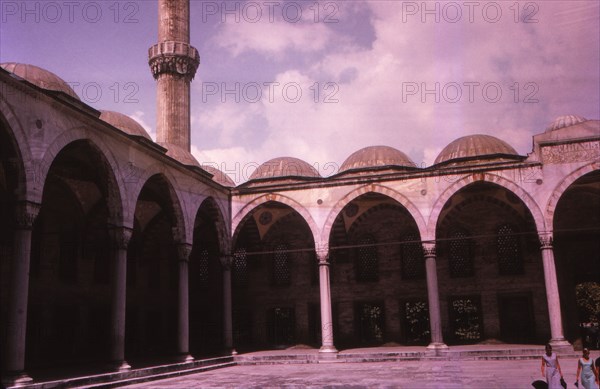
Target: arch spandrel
26 168
116 192
370 188
529 202
562 187
296 206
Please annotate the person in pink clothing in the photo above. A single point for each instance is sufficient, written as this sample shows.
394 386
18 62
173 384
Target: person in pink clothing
551 369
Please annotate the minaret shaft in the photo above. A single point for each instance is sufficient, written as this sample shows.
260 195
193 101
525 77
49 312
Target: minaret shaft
173 63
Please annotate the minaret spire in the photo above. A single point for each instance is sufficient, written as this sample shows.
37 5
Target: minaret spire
173 62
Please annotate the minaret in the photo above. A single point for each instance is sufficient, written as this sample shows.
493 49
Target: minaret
173 63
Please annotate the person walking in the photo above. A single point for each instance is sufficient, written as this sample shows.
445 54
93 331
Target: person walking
587 371
551 369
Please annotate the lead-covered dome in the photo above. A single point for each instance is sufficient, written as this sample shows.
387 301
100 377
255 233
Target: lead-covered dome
39 77
375 156
472 146
124 123
565 121
284 167
219 176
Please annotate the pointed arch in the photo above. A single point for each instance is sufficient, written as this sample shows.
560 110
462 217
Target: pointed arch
529 202
373 188
562 187
219 220
115 190
276 197
177 207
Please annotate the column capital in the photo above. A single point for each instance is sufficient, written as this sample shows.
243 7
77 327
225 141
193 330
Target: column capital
429 249
183 252
226 261
25 214
120 237
546 240
322 253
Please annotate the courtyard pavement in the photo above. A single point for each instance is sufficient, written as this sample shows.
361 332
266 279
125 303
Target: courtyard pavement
403 374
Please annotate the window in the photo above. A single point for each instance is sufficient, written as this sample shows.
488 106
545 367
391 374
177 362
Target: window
510 260
239 268
415 319
413 263
465 318
460 256
370 322
281 275
203 269
366 268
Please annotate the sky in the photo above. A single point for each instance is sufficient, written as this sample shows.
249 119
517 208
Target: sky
319 80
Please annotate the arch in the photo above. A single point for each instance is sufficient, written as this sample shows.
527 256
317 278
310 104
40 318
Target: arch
562 187
391 193
181 235
21 147
529 202
276 197
219 220
115 197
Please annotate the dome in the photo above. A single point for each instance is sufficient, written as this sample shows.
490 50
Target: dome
284 167
374 156
180 154
124 123
219 176
39 77
474 146
565 121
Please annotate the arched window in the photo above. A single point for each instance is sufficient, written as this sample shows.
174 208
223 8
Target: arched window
366 267
281 266
239 268
413 263
460 254
510 260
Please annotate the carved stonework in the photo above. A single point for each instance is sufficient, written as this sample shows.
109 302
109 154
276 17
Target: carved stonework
25 215
429 250
120 237
226 261
571 152
175 58
545 241
183 252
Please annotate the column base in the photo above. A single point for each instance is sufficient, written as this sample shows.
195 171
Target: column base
328 349
328 354
437 349
16 379
561 345
119 366
185 358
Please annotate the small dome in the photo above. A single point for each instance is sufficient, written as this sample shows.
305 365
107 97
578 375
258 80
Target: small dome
565 121
124 123
474 146
374 156
219 176
39 77
180 154
284 167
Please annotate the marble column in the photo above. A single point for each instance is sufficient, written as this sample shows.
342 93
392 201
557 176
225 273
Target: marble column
327 347
120 241
183 303
18 291
435 320
226 262
552 294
